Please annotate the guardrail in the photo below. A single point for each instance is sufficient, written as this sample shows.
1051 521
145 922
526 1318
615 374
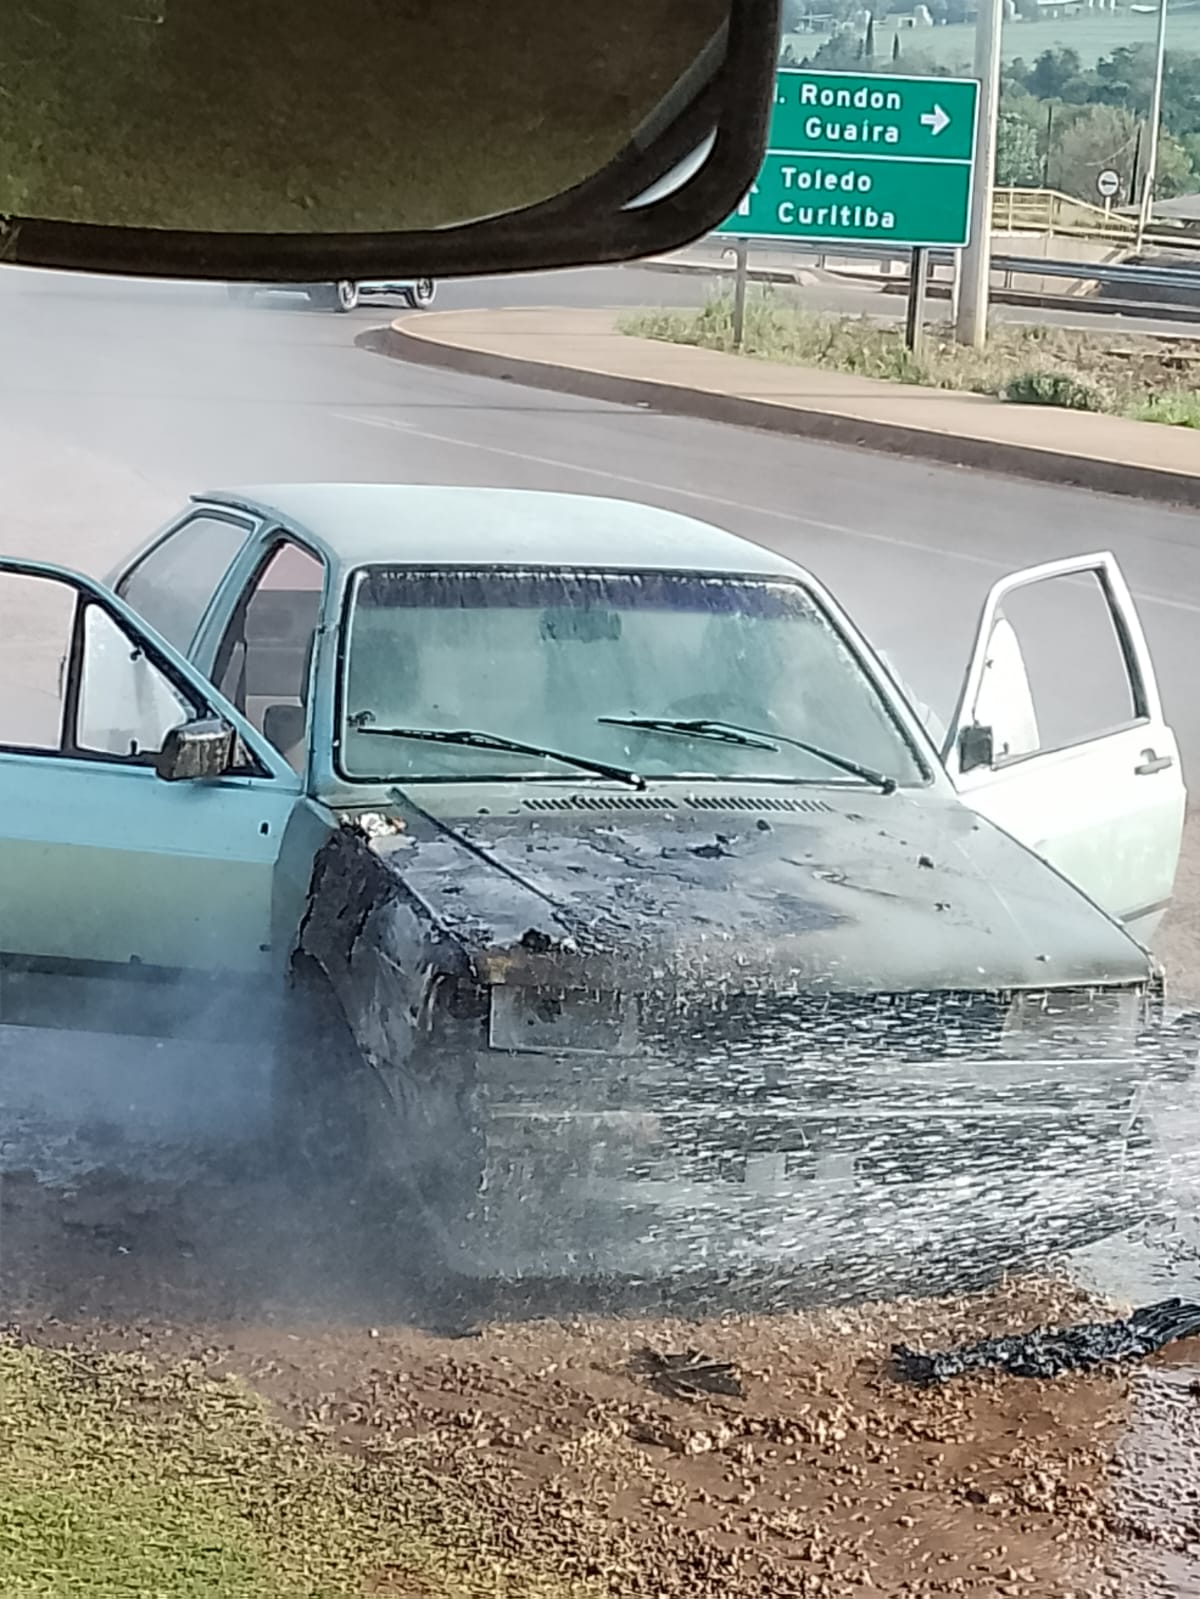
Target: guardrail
1051 212
1057 215
1149 276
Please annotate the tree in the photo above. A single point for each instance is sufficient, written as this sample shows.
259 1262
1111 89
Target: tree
1018 159
1052 74
1091 139
1175 171
896 46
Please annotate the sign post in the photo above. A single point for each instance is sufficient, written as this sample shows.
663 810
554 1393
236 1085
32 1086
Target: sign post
741 273
914 319
873 157
1108 183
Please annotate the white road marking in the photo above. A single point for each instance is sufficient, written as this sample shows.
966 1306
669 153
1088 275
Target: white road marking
396 425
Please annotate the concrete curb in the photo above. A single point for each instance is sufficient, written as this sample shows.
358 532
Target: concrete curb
1135 481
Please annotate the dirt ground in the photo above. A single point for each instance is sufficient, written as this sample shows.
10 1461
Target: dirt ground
826 1477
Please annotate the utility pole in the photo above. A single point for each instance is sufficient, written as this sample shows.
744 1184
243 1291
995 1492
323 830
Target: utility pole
971 323
1146 208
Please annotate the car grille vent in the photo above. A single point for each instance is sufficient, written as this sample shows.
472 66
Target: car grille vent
659 802
603 802
761 802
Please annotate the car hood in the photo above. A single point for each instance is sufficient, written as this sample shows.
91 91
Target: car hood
896 893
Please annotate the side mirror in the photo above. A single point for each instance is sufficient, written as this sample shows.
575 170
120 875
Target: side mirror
975 747
195 751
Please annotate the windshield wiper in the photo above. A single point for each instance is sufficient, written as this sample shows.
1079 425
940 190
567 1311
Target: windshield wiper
754 738
471 738
718 732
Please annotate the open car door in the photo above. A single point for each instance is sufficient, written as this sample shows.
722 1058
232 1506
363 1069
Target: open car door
145 862
1059 737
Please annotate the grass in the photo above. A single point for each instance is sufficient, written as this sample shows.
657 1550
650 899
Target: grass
121 1479
1177 410
1126 375
1091 37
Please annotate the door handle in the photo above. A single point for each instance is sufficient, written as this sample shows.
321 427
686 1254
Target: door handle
1152 763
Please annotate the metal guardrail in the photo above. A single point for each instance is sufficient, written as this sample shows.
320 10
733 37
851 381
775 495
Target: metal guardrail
1144 276
1057 215
1051 212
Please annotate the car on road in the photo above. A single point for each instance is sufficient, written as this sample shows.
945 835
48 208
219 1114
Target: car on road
418 294
594 881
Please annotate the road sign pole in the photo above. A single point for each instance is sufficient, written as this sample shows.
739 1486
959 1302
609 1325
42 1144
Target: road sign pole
741 271
955 284
1154 126
914 320
971 322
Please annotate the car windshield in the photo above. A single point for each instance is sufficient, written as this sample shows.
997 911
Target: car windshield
566 660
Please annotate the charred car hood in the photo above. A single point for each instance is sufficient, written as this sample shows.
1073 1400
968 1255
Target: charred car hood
876 892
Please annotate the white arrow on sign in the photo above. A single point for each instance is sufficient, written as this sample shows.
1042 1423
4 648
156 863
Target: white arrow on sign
935 120
743 209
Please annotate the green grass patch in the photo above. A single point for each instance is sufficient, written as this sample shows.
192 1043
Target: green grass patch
1053 388
1177 410
1126 375
118 1478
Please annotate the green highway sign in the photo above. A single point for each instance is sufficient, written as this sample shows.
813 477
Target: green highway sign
869 156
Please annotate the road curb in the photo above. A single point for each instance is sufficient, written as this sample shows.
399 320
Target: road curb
407 343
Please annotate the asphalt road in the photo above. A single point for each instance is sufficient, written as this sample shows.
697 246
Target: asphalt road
118 398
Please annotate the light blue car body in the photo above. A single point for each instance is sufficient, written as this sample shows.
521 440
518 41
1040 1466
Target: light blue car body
115 882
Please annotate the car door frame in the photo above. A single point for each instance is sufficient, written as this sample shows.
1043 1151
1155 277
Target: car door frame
986 776
204 650
175 666
246 517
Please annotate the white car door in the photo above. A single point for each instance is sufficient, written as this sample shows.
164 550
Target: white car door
1060 740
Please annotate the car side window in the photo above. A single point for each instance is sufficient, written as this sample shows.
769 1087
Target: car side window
1038 697
124 705
75 681
172 585
265 657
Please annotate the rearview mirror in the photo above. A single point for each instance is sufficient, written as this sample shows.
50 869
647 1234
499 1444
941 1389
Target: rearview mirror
197 750
281 141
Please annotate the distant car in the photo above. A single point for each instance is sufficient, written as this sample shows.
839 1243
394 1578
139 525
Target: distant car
417 293
602 882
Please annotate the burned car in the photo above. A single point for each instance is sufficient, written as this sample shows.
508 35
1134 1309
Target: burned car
597 884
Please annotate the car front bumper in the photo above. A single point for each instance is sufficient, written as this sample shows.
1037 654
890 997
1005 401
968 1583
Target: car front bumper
863 1193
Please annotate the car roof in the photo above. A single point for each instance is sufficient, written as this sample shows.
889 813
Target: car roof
363 524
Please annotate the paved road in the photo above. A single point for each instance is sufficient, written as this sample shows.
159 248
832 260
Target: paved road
116 399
